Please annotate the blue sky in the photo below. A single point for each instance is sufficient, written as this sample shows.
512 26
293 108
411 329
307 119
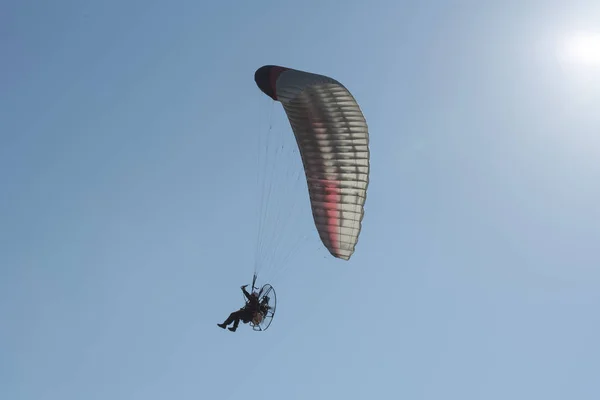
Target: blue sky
128 149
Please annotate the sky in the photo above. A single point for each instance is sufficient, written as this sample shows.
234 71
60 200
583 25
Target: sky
129 202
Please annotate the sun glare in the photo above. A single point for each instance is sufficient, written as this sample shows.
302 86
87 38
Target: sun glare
580 52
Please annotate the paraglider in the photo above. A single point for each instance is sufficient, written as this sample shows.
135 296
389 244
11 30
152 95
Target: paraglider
246 313
332 137
258 310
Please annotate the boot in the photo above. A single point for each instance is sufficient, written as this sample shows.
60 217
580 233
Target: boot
221 326
233 328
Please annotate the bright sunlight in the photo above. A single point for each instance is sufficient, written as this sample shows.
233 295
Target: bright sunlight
580 53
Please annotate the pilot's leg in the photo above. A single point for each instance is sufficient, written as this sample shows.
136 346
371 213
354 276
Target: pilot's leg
233 317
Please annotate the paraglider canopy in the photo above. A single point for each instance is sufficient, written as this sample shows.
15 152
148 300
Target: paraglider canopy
266 78
333 139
